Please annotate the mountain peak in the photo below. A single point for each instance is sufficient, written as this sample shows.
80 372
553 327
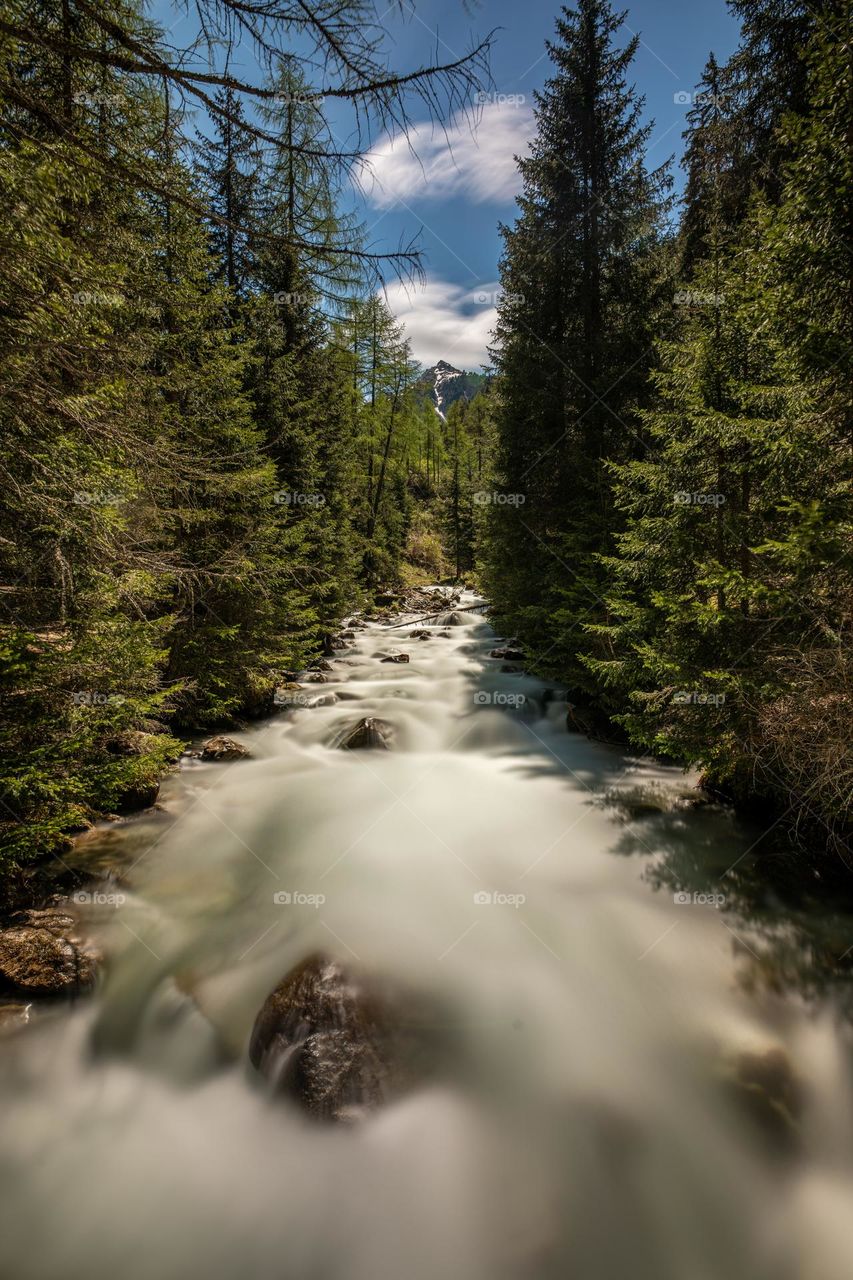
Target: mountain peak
443 383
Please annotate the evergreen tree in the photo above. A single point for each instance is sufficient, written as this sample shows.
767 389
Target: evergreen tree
581 277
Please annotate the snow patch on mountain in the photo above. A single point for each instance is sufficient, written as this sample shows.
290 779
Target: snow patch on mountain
444 373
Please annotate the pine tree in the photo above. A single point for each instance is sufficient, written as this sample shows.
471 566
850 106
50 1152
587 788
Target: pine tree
581 277
732 602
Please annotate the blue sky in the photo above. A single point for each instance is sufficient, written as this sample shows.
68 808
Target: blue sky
463 184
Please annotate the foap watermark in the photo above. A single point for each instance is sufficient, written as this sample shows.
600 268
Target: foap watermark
94 698
284 898
497 298
284 299
299 99
286 498
284 698
698 97
697 298
483 498
485 99
96 898
100 98
486 898
484 699
97 498
683 498
97 298
684 899
697 698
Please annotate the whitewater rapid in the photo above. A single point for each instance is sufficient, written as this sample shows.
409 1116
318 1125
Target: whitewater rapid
596 980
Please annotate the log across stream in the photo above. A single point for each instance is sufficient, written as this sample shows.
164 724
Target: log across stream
622 1055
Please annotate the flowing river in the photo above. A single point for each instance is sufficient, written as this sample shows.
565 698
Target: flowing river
649 1053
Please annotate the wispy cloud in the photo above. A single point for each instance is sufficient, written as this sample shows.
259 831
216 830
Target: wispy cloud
472 163
446 321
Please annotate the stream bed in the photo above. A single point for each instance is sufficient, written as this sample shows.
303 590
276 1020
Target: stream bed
646 1050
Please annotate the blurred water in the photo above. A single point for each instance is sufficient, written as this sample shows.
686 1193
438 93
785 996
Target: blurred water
583 1126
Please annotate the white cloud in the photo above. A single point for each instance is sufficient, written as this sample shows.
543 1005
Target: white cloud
446 321
476 163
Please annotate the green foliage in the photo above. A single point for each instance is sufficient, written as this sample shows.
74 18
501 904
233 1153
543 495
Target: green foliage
686 562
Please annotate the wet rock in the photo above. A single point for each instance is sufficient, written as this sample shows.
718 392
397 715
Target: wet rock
454 620
13 1017
314 677
258 703
222 748
509 654
578 720
42 956
333 1041
765 1087
510 670
346 695
647 801
420 635
369 733
395 657
321 665
324 700
347 635
132 742
140 794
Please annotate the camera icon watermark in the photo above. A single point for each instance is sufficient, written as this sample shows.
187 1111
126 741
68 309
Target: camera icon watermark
683 899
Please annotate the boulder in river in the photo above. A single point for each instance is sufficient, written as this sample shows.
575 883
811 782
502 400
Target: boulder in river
13 1017
324 700
141 793
766 1089
420 635
369 733
509 654
333 1041
43 956
394 657
222 748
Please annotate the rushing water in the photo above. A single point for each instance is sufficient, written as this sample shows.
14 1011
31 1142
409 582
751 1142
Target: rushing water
586 1124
